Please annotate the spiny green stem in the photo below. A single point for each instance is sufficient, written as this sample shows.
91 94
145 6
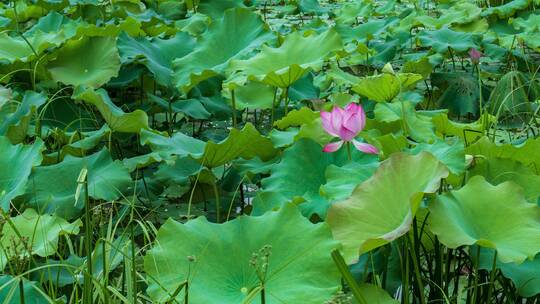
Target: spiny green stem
233 101
273 113
218 206
476 274
492 277
416 267
286 100
347 276
452 56
21 291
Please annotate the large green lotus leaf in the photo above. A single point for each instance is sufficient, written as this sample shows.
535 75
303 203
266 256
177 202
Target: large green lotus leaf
76 143
50 31
298 177
391 143
373 294
246 143
498 170
39 232
179 173
311 7
341 181
526 276
17 162
282 139
53 187
14 124
420 127
194 25
296 118
530 24
11 293
192 107
468 132
506 10
451 154
349 12
216 9
314 131
156 54
497 217
458 13
239 32
445 38
461 93
367 31
421 67
23 11
16 49
526 153
91 61
300 268
340 77
143 161
179 144
116 118
252 95
54 22
113 27
382 208
479 26
304 89
282 66
384 87
532 40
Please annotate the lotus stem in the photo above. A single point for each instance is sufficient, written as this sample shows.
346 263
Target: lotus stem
218 207
481 106
405 272
83 179
349 154
286 100
476 274
347 276
233 101
21 291
186 293
416 267
491 285
273 108
452 56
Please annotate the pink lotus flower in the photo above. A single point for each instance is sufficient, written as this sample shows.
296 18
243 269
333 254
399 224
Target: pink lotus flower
475 55
346 124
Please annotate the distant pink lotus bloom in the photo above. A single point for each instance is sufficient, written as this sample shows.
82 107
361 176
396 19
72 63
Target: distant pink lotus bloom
346 124
475 55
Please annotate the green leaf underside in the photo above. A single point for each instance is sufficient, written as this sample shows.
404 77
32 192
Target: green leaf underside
53 187
16 162
382 208
497 217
